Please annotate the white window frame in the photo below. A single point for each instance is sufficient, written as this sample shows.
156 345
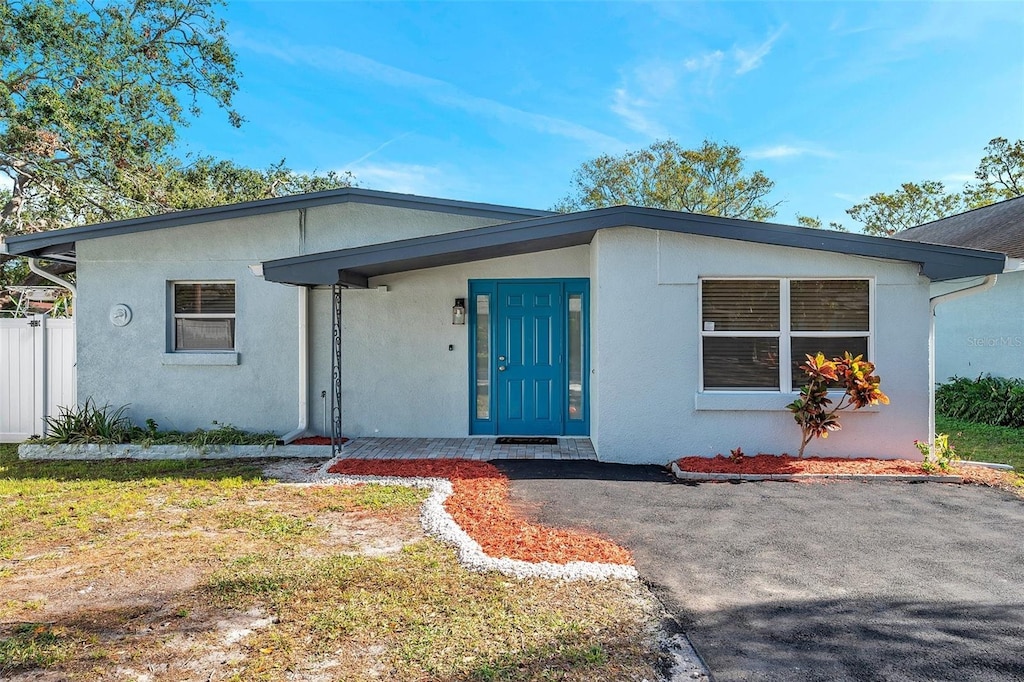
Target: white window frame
784 334
175 316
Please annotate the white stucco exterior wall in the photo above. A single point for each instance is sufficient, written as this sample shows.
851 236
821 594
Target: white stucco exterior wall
645 389
122 365
398 376
982 333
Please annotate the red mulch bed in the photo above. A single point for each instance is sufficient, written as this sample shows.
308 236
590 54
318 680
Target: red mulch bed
786 464
316 440
479 503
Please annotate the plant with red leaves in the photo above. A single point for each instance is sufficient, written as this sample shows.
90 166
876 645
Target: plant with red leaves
814 411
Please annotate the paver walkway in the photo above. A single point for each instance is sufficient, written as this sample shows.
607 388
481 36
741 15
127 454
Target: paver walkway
465 448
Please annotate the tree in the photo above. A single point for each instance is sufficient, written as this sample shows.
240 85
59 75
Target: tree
1000 176
913 204
172 186
91 99
708 180
211 182
814 222
1000 173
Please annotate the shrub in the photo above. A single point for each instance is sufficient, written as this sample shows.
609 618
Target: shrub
89 423
812 411
986 400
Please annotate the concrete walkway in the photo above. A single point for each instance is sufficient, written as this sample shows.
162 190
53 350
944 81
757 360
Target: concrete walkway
480 448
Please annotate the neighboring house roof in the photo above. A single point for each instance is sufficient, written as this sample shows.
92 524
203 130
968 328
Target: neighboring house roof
355 266
62 242
997 227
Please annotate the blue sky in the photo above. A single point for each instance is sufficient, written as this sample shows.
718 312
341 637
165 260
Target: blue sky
501 102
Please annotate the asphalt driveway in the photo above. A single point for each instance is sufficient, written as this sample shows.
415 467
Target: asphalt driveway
783 581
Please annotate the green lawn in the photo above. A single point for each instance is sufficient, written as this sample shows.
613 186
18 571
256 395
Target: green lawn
984 443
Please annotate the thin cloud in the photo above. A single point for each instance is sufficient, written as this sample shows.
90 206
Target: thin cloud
404 178
631 110
748 60
784 151
378 148
440 92
958 178
847 197
709 61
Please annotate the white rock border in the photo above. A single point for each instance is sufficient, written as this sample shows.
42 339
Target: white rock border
438 523
91 451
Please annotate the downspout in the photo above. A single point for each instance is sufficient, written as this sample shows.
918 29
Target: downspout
988 283
33 265
303 424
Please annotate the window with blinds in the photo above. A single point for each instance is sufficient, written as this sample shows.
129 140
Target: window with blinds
755 333
204 316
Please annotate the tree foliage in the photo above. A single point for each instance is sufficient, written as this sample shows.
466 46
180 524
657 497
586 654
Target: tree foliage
91 99
814 222
1000 173
709 180
884 214
1000 176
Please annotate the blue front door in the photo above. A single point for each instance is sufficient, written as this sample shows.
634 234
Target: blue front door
529 358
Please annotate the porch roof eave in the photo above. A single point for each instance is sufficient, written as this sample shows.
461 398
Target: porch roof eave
354 267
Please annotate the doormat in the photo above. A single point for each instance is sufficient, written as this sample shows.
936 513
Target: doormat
511 440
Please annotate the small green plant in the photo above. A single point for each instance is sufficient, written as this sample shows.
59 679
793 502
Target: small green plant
938 456
88 423
854 376
223 434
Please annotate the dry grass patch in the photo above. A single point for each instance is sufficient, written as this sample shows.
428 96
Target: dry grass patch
208 571
418 616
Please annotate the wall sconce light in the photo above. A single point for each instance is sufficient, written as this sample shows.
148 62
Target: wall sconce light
459 311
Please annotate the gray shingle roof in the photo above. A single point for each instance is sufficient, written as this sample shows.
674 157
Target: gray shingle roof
997 227
62 242
355 266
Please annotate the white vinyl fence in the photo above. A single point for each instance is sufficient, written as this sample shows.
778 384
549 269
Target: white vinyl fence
37 373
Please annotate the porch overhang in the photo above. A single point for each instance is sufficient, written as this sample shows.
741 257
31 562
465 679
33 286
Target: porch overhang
355 266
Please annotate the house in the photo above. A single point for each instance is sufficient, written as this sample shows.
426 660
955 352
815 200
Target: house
654 333
985 333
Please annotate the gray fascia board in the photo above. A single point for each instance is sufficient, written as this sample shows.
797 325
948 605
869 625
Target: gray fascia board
937 262
558 231
64 240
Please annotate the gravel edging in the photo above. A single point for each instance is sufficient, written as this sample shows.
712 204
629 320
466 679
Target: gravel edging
861 478
438 523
